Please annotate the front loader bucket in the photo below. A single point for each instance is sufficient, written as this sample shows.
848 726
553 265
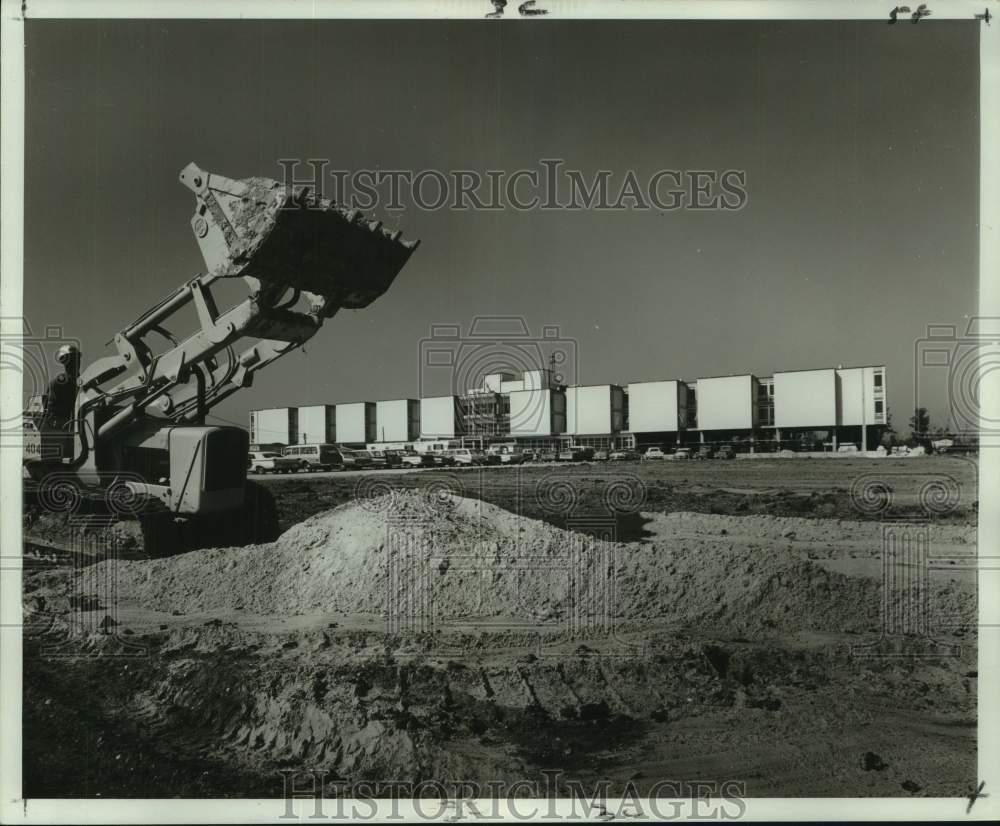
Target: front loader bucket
257 227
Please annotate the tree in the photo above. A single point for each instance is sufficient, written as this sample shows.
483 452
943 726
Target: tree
888 438
920 424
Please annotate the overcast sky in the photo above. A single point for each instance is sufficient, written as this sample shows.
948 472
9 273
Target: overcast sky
859 141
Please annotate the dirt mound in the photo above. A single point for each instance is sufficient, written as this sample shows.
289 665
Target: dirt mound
421 556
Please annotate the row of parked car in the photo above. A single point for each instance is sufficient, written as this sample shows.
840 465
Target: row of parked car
297 458
703 452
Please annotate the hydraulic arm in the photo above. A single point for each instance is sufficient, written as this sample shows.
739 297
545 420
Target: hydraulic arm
302 258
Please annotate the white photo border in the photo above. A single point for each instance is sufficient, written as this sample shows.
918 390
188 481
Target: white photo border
13 809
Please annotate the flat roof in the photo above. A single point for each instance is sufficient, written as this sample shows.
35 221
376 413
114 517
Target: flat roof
817 369
728 376
655 381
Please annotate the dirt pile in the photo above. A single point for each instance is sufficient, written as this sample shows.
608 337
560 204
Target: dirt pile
411 555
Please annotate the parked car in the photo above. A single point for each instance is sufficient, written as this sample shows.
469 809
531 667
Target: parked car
576 453
505 454
547 456
414 459
468 456
704 452
315 457
385 458
509 455
654 453
624 456
682 453
267 462
725 452
601 455
355 459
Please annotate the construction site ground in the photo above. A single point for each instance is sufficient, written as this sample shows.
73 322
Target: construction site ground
680 621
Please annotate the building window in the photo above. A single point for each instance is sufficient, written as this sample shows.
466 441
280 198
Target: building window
878 380
879 408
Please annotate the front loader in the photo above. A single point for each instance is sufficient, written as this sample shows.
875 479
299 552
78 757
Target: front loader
138 449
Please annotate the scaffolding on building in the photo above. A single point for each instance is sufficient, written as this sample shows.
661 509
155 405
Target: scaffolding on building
484 415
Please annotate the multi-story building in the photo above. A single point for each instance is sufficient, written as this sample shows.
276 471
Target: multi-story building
537 413
317 424
795 408
861 400
356 423
727 403
397 420
275 425
595 414
658 409
441 418
844 402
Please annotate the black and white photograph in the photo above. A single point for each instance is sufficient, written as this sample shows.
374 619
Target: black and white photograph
500 411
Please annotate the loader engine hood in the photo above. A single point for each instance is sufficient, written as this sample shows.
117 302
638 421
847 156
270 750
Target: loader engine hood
259 228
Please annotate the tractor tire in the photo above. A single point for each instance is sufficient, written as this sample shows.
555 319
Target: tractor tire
259 516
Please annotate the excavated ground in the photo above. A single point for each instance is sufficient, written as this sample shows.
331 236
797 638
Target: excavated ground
422 635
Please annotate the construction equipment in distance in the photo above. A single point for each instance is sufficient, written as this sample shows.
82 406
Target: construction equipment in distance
140 444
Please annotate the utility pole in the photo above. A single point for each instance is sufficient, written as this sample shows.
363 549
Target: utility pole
864 411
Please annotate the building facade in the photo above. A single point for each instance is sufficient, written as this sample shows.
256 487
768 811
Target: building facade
801 409
317 424
355 423
275 425
657 407
595 410
537 413
727 403
441 418
397 420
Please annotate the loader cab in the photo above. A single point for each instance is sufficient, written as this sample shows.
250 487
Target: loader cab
190 469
